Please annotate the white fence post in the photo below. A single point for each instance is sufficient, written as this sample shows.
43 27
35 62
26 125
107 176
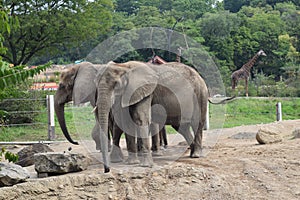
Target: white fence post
51 123
206 125
278 112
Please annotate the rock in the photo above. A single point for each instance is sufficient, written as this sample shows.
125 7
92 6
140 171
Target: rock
244 135
267 135
11 174
59 163
26 154
296 133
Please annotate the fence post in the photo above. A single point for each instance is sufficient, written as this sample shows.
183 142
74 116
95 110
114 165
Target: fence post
206 125
51 123
278 112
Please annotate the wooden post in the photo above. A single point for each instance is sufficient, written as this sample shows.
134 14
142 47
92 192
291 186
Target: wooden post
51 123
206 125
278 112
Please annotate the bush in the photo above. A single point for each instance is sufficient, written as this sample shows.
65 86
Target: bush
19 105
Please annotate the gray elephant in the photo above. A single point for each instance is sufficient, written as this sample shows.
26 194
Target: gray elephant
131 89
77 84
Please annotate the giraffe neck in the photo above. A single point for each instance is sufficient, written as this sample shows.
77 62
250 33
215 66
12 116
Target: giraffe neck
178 55
177 58
250 63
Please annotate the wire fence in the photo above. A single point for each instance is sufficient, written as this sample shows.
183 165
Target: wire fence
28 119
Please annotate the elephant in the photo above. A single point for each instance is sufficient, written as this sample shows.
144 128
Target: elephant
76 83
131 89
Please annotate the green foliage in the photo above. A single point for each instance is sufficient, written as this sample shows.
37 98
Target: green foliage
14 75
4 27
231 31
19 111
11 157
48 27
235 5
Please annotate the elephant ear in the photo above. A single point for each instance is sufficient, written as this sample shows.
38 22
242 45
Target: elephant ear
84 89
139 82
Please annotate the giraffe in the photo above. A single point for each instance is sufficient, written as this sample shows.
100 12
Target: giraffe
178 55
244 72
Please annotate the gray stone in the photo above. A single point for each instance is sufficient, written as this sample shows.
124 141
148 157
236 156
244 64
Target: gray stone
60 163
11 174
244 135
26 154
296 133
268 135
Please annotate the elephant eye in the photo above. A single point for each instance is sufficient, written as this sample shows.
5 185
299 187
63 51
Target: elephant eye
61 86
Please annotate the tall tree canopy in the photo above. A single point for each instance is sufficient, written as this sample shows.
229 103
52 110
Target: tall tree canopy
232 31
48 26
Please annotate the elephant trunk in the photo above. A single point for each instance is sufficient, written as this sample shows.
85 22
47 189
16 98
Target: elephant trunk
103 108
60 113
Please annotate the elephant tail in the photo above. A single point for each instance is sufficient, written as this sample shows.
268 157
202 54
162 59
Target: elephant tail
223 101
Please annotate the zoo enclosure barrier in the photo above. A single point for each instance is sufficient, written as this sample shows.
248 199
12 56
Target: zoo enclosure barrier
22 113
48 110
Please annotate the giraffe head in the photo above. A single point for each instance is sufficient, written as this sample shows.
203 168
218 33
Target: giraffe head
261 53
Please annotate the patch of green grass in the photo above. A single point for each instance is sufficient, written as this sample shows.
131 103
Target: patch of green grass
80 120
246 111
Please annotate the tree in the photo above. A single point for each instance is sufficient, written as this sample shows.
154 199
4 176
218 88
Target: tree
217 30
193 9
127 6
235 5
4 27
8 75
47 27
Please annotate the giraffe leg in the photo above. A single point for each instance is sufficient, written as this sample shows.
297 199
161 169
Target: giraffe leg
246 86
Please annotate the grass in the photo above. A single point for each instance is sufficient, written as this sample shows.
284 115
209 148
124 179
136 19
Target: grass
242 111
246 111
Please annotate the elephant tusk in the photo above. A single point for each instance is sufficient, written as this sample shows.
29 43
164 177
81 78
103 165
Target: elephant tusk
94 109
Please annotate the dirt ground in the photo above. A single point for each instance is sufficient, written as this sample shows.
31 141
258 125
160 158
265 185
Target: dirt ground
234 166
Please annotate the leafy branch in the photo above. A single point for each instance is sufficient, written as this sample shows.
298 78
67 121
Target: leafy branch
14 75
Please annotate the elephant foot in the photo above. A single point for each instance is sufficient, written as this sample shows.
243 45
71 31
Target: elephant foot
157 153
132 159
116 155
196 152
146 160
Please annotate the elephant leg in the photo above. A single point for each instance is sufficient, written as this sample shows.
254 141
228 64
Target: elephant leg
196 147
141 117
184 130
163 137
116 154
139 146
132 150
154 129
95 136
146 159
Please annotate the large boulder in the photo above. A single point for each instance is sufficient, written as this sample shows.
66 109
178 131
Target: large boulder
59 163
26 154
267 135
11 174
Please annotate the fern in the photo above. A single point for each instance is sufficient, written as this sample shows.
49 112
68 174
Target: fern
14 75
